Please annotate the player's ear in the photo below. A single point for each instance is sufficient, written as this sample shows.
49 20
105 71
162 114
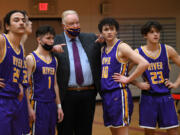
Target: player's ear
38 40
7 27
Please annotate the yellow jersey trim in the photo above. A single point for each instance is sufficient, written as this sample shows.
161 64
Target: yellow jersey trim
108 51
17 52
56 62
118 59
152 57
34 67
167 57
126 117
46 61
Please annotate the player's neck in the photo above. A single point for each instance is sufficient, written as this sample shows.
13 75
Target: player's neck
24 38
111 43
14 39
152 46
42 52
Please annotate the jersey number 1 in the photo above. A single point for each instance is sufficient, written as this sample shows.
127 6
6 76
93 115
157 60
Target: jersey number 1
49 78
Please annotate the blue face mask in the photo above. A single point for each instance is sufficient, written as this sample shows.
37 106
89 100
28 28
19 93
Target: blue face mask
73 31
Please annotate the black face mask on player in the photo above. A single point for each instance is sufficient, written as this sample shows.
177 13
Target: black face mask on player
47 47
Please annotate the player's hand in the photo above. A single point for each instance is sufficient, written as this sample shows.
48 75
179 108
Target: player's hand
143 85
60 115
120 78
100 38
2 84
169 84
58 48
21 93
32 115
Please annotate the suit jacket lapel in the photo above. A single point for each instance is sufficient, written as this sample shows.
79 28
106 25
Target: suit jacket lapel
87 48
85 45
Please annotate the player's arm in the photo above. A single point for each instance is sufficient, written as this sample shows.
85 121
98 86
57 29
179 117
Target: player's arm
175 57
2 84
2 46
2 51
58 102
125 51
140 85
30 67
131 63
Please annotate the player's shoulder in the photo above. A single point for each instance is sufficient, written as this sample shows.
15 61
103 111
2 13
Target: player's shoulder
168 46
123 46
29 57
141 47
2 39
170 50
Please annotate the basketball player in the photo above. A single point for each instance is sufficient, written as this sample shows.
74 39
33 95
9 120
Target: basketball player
29 114
42 68
11 70
156 104
116 97
26 111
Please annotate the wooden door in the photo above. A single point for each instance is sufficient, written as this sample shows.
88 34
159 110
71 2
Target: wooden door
31 43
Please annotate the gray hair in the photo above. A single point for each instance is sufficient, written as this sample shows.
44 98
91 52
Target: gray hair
68 12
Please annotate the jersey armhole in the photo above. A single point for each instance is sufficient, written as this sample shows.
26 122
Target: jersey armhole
167 55
34 67
118 59
56 62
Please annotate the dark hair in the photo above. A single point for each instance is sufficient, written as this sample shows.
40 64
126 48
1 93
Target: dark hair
108 21
147 27
24 11
45 29
7 18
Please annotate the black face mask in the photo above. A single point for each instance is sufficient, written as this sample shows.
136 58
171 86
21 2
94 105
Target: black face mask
47 47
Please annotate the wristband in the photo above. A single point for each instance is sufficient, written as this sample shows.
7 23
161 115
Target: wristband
59 106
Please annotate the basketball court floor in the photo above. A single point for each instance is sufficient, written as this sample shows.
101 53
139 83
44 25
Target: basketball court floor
134 129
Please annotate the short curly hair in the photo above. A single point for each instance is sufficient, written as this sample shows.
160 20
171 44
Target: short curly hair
148 25
108 21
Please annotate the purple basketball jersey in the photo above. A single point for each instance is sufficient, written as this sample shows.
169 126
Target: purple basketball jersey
116 97
111 65
158 70
11 69
157 105
43 79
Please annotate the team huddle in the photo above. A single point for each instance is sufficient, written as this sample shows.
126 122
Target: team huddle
43 87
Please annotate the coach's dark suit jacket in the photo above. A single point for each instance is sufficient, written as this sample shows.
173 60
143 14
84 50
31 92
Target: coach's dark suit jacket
93 53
